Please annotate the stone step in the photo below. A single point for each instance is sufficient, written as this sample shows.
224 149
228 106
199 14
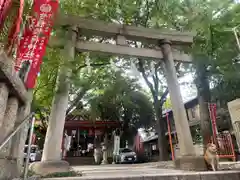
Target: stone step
220 175
74 161
79 161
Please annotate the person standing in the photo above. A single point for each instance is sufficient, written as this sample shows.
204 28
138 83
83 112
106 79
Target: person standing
97 155
66 144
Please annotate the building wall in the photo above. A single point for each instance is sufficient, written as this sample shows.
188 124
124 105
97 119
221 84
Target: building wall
194 113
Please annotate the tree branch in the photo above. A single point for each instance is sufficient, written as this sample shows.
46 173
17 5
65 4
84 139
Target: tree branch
141 69
148 14
164 97
156 78
43 119
177 67
77 101
155 82
92 65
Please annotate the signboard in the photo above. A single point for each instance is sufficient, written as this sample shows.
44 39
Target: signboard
95 132
84 132
33 44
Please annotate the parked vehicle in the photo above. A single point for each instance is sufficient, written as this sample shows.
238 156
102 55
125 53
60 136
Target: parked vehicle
35 153
126 156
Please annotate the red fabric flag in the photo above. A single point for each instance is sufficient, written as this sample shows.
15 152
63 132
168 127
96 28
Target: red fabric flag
5 6
15 30
33 44
34 138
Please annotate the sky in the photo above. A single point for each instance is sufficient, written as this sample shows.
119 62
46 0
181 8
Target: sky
187 86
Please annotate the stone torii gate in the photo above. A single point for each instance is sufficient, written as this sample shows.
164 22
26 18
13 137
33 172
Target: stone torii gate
163 51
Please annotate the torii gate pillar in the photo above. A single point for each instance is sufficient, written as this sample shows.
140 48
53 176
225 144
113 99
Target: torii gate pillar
51 159
188 159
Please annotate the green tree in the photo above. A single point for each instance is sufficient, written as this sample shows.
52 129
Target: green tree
122 100
214 49
208 18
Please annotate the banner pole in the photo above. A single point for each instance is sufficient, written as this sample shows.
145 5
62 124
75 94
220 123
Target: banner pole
170 137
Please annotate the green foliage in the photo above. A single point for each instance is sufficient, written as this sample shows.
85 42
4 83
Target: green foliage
167 104
196 135
120 99
109 93
45 89
63 174
55 175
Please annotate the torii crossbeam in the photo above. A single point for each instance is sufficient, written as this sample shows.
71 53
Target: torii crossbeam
116 31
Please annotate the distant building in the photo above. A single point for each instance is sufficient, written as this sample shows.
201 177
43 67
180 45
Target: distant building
150 144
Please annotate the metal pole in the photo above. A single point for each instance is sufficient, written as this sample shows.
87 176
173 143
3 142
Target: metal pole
15 131
29 149
170 137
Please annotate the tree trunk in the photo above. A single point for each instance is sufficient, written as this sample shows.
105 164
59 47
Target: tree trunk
204 98
162 142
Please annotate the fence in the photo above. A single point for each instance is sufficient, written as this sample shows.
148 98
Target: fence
225 146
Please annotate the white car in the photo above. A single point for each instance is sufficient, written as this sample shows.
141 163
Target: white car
126 156
35 153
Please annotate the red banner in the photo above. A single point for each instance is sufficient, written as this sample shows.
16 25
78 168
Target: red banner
5 6
33 44
15 30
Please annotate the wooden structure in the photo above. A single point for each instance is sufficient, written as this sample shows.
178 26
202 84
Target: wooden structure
82 124
85 133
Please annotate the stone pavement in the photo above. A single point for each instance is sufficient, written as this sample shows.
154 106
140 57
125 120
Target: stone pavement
148 171
118 170
230 165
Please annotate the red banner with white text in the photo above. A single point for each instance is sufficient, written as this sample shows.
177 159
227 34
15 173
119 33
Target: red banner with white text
33 43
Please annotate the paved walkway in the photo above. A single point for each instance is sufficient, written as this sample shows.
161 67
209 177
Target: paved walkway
138 169
147 171
126 169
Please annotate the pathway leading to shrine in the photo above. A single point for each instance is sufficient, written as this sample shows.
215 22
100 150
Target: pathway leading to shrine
148 171
126 169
